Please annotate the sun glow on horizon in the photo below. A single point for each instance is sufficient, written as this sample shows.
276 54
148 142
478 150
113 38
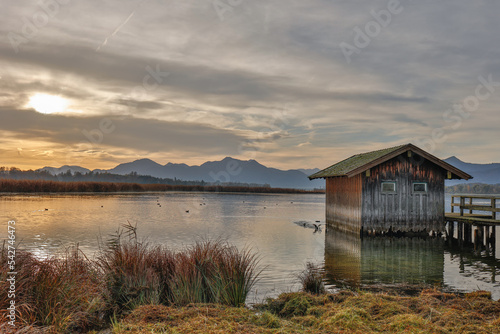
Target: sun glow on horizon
48 104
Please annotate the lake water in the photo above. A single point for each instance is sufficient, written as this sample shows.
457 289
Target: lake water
47 224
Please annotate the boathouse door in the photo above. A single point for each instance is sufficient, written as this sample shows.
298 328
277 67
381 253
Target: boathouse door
418 200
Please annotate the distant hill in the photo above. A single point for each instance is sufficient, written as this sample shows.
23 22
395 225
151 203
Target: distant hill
482 173
64 169
309 171
227 170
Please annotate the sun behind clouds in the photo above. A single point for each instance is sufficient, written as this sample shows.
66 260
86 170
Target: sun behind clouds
48 104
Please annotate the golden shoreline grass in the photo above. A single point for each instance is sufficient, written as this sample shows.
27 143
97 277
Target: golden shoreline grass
345 312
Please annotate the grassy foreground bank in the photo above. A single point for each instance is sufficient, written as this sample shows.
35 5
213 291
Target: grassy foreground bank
345 312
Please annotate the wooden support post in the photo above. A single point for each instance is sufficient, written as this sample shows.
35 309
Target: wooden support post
476 239
467 233
493 206
452 202
460 231
480 236
487 238
451 229
470 203
493 240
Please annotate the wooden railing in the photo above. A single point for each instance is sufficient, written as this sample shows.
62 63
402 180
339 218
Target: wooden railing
467 203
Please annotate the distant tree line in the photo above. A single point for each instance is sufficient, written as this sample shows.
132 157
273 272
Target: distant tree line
474 188
17 174
13 180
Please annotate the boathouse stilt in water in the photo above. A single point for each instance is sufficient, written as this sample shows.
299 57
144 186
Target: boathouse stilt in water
398 189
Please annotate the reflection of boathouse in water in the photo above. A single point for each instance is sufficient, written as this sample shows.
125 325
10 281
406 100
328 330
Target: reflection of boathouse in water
382 261
353 261
395 189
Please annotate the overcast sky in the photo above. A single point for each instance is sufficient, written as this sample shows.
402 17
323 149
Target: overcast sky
292 84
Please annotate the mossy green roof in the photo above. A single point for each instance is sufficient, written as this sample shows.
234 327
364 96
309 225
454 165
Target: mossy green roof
356 161
360 162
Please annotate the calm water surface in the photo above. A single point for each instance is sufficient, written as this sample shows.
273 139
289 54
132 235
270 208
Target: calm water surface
265 223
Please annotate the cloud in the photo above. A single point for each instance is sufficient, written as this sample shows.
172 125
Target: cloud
145 135
230 78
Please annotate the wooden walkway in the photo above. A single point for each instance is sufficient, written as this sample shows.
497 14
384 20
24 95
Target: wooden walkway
472 219
476 227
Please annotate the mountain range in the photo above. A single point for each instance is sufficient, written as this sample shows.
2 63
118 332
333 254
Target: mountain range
226 170
482 173
250 171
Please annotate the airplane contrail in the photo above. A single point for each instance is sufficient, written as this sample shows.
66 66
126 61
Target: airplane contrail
119 27
116 31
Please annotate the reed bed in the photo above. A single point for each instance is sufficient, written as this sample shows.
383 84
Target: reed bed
75 294
43 186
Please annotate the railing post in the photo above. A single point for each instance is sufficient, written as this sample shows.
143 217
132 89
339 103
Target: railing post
470 204
493 207
462 203
452 202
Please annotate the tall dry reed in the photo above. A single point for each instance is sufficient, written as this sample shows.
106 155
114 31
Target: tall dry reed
62 293
73 293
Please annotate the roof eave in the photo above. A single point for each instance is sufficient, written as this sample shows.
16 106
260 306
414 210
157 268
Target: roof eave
312 177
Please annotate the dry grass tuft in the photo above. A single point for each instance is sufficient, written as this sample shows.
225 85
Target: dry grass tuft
311 279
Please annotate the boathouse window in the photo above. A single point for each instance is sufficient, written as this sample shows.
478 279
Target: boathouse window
388 186
419 187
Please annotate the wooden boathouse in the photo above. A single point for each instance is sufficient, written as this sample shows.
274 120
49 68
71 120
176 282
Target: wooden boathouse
398 189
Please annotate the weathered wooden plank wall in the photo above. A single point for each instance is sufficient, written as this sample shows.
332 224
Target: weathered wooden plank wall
404 210
343 203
